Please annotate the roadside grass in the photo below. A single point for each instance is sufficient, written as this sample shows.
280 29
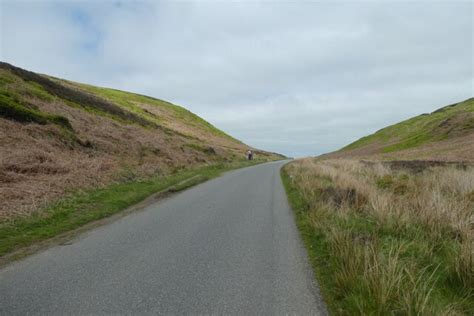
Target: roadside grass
386 242
92 205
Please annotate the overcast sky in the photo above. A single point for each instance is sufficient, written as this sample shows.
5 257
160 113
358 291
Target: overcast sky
296 77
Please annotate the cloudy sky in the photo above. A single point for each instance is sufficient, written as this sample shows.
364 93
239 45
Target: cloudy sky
296 77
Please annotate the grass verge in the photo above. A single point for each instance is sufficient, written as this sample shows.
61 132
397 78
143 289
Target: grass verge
313 241
82 208
384 242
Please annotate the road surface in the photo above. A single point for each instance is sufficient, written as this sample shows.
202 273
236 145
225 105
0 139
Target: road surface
227 246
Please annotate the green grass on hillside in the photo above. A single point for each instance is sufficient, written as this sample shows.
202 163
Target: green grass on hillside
115 104
127 100
82 208
12 108
418 130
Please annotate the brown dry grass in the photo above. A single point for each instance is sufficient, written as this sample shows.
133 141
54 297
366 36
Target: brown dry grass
459 149
400 243
170 121
41 163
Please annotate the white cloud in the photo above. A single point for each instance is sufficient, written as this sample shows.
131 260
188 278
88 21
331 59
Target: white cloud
299 78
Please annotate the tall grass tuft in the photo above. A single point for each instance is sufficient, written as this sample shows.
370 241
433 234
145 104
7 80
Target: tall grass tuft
395 242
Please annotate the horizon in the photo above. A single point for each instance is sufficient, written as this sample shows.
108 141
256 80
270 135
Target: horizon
294 86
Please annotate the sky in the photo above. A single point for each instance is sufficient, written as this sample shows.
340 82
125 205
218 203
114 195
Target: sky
296 77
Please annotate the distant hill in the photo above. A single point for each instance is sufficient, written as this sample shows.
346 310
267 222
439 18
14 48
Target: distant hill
445 134
57 136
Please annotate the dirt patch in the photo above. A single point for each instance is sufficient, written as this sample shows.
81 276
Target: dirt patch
457 125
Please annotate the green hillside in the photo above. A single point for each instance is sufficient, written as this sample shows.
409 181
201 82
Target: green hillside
116 104
450 121
59 136
72 154
132 102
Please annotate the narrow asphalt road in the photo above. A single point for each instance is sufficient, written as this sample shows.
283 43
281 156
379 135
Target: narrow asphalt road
227 246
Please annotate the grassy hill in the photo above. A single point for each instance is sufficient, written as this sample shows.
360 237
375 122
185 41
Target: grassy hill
59 137
445 134
388 227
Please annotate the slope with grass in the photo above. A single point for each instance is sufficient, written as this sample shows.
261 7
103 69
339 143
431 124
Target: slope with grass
387 220
445 134
59 138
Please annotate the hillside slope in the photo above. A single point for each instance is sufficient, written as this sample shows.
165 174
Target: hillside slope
389 225
58 136
445 134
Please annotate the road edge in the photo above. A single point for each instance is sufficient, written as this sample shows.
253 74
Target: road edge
296 205
64 238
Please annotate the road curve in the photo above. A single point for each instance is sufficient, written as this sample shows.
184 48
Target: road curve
227 246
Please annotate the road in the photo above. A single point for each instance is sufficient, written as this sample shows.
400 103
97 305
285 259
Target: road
227 246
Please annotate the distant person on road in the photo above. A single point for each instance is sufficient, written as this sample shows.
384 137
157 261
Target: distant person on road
249 154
